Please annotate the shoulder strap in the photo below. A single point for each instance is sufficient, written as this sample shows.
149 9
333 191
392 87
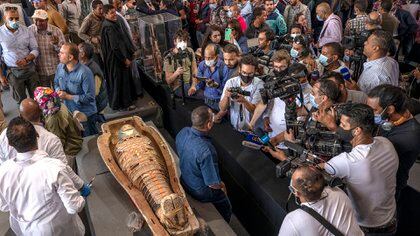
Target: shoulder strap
322 220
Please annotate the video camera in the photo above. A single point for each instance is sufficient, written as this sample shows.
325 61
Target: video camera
281 87
235 91
356 43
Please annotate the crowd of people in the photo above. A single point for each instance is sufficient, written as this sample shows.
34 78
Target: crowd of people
64 65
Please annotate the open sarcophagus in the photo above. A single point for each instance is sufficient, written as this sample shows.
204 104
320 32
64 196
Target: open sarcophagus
141 161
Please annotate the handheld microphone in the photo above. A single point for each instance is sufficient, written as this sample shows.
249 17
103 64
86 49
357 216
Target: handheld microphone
345 73
264 139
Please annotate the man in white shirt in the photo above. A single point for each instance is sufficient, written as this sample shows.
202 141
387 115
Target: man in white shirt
242 107
369 170
47 141
36 189
307 184
379 68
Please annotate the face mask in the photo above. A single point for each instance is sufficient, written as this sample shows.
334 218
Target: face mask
312 100
210 63
181 45
213 6
345 135
13 24
294 35
319 18
346 58
294 53
323 60
380 120
246 78
229 14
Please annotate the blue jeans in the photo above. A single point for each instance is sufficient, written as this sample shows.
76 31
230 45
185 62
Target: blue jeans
92 124
215 196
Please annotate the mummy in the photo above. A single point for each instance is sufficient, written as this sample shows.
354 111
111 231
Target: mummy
147 171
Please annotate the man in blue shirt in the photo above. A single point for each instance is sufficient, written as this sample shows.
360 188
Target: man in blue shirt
274 19
76 86
18 49
215 73
198 162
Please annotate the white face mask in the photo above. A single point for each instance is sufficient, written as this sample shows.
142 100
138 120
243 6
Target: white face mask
294 35
181 45
210 63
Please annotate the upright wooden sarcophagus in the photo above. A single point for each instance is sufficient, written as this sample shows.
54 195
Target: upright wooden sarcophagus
141 161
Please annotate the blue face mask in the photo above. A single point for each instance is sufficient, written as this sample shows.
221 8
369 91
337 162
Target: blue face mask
312 100
213 6
323 60
14 24
379 120
294 53
319 18
346 58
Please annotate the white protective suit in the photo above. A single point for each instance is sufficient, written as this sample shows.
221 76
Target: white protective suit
47 142
40 196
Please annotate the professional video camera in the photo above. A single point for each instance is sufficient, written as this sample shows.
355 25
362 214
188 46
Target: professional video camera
282 42
285 87
235 91
356 41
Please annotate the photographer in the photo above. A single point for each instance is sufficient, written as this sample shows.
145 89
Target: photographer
180 65
263 51
241 106
396 123
298 45
379 68
214 73
273 117
369 170
332 204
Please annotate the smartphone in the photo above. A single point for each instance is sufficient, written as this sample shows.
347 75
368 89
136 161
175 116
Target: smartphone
228 34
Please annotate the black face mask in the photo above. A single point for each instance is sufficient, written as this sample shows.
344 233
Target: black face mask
246 78
345 135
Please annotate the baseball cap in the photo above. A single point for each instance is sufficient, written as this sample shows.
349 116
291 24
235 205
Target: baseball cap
40 14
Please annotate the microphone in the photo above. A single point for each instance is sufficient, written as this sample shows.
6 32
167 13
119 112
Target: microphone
345 73
264 139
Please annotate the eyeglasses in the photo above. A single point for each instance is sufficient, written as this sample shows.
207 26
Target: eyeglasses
292 189
10 8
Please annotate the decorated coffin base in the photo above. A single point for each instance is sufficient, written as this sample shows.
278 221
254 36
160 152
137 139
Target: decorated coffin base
140 160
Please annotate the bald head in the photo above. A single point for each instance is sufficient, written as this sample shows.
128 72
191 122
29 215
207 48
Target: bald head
323 10
373 20
309 182
30 111
210 53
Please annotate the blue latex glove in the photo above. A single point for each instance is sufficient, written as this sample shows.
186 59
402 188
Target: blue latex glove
85 190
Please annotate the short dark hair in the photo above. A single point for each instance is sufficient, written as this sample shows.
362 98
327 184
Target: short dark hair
182 34
361 115
269 33
96 3
386 5
296 68
330 89
296 26
73 50
258 11
200 116
22 135
361 5
311 183
88 50
336 49
249 59
383 39
231 48
337 77
390 95
107 8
